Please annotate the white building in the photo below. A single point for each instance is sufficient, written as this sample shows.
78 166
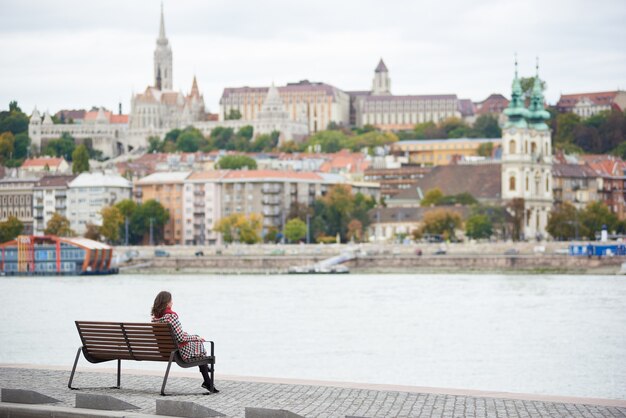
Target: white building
49 197
527 159
159 108
202 207
380 108
107 132
319 103
89 193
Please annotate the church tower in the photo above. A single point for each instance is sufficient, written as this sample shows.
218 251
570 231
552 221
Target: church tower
381 86
163 60
527 158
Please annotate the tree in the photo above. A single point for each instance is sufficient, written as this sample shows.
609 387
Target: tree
563 223
59 225
154 144
236 162
62 147
486 126
190 140
497 216
485 149
14 120
441 222
80 160
145 213
246 132
565 124
478 226
355 230
295 230
454 128
240 228
112 221
517 207
10 229
220 137
328 141
92 231
234 114
7 141
528 84
428 130
595 216
432 197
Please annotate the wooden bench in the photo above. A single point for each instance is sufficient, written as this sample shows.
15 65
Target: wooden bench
107 341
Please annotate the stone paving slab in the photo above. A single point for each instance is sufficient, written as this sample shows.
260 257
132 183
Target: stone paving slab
307 400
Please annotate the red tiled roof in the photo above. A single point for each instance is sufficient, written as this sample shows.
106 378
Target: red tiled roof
598 98
118 119
42 162
272 174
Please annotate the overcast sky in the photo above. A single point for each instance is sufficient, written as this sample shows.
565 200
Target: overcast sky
77 54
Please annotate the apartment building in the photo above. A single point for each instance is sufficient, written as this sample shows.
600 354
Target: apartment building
49 197
16 199
440 151
202 207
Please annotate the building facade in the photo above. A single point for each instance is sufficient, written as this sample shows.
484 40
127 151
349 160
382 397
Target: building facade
45 165
202 207
49 197
589 104
89 193
527 158
434 152
394 180
167 189
16 199
576 184
318 103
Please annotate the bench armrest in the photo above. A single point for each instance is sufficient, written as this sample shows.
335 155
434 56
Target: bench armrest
212 346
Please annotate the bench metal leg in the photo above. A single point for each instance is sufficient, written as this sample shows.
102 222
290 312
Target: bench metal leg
69 384
119 373
167 372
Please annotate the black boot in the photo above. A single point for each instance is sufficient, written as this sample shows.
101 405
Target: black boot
208 384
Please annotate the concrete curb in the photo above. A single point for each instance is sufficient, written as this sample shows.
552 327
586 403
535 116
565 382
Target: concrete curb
14 410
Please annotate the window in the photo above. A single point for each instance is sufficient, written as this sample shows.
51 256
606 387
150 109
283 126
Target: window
512 183
512 148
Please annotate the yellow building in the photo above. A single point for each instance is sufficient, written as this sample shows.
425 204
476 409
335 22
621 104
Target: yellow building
167 189
440 151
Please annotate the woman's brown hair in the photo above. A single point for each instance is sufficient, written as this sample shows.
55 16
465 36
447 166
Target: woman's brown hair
160 303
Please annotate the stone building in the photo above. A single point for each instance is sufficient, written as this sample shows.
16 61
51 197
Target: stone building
394 180
160 108
49 197
90 192
575 183
589 104
527 158
436 152
16 199
318 103
273 116
45 165
388 112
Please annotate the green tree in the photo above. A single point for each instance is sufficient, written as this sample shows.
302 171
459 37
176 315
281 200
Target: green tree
154 144
140 221
188 142
428 130
527 86
454 128
80 160
564 224
236 162
10 229
565 125
432 197
59 225
92 231
220 137
7 141
594 217
295 230
478 226
62 147
486 126
246 132
485 149
328 141
234 114
112 221
13 120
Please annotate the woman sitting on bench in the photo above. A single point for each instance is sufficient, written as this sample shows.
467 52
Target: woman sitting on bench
190 346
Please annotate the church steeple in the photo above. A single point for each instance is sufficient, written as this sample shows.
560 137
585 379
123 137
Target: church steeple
516 111
163 59
537 115
381 85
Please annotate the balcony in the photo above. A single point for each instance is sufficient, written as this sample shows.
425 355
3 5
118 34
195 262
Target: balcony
271 212
271 200
198 193
271 188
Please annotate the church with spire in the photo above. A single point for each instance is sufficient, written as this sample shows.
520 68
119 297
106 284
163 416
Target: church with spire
527 158
159 107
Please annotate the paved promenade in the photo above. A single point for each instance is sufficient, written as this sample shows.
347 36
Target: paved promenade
308 399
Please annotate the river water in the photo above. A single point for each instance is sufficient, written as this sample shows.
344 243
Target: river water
557 335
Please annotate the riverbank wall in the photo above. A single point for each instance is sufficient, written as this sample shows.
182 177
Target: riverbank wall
383 264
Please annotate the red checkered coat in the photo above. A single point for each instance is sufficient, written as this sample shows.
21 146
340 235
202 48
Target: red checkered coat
189 345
